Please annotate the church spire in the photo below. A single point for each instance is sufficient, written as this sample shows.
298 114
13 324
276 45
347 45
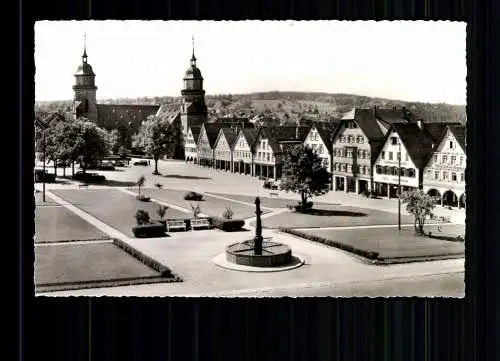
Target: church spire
193 58
84 56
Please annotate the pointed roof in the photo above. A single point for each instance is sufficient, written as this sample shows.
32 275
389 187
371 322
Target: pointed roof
326 136
195 131
277 134
212 131
416 141
230 134
367 123
459 131
250 135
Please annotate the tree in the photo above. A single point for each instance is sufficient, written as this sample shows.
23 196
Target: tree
304 174
158 138
161 210
420 205
140 182
90 143
112 140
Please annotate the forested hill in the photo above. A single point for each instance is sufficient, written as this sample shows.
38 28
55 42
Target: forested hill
291 105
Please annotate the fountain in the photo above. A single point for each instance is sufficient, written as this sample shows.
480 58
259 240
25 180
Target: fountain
259 252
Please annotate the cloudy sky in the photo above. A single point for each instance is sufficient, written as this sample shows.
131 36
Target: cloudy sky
413 61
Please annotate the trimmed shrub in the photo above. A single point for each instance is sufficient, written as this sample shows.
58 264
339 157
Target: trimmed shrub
148 261
141 217
193 196
149 230
228 213
227 225
89 177
329 242
291 207
299 208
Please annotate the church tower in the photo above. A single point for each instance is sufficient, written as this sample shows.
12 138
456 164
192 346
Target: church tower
84 101
194 109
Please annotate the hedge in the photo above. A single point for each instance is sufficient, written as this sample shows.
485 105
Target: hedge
227 225
89 177
148 261
149 230
346 247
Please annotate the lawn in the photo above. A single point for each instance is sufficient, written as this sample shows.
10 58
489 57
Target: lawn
392 245
114 207
209 205
57 224
326 215
87 265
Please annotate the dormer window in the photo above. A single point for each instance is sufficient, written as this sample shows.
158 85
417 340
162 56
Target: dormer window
451 144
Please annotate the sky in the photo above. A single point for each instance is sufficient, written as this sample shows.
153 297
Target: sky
403 60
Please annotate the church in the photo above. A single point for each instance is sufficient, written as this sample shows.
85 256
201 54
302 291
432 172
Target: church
127 118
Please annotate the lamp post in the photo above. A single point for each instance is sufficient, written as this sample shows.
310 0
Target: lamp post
43 126
399 185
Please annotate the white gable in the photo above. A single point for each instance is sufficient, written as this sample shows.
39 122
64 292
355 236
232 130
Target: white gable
241 143
390 150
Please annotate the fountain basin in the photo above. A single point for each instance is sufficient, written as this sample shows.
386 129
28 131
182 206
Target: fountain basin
273 254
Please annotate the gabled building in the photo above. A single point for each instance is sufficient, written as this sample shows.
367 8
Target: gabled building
206 144
270 147
242 151
223 149
319 139
405 150
190 149
355 144
444 172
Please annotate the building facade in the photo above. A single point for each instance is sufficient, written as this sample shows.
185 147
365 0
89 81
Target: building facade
401 160
204 148
242 151
223 149
191 151
319 139
355 145
444 172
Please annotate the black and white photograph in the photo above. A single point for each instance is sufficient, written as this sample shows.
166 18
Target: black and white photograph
250 158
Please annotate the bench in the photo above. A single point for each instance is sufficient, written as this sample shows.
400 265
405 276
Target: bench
200 223
273 194
175 225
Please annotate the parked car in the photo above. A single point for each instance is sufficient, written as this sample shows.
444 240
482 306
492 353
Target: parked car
40 176
141 162
193 196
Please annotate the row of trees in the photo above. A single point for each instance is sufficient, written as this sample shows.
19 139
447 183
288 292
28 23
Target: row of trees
73 141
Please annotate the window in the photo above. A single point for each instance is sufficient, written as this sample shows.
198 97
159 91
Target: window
445 159
429 174
435 158
268 157
320 149
453 159
349 139
394 140
342 139
390 155
411 173
325 163
461 160
406 157
436 175
383 155
454 177
451 144
445 175
462 177
344 167
349 153
349 168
